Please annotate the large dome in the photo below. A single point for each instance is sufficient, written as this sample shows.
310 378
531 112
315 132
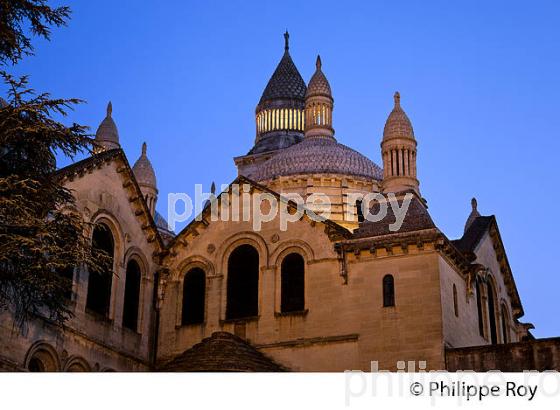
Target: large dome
318 156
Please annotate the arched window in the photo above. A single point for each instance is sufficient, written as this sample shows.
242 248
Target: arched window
194 295
492 314
131 295
388 291
243 283
293 283
99 284
505 327
455 301
479 307
360 210
43 359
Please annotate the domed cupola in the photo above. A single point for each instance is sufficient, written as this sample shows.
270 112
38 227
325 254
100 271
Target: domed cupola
398 150
279 113
107 135
146 178
318 105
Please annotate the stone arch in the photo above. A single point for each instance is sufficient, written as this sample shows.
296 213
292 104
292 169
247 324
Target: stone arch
242 238
42 357
112 222
185 266
134 252
76 364
224 252
292 246
284 249
106 218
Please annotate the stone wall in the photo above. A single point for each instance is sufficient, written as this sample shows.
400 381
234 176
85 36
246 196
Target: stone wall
539 354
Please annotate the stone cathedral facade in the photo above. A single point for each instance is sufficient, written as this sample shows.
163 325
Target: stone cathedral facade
331 294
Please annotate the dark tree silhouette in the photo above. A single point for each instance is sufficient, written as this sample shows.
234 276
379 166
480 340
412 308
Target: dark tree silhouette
20 19
42 237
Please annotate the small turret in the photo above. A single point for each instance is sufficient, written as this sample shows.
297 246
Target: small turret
146 178
107 135
318 105
398 150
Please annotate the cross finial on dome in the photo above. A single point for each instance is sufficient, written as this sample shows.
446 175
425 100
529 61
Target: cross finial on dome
318 62
397 98
144 148
109 109
286 40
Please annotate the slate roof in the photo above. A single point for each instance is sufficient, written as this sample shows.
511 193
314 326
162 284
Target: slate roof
286 82
318 156
473 234
222 352
416 218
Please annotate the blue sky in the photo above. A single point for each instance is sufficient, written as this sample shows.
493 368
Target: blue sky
478 79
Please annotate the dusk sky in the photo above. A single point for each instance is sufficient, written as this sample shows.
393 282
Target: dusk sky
479 81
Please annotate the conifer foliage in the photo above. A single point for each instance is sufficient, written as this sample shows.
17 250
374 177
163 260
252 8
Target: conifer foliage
42 237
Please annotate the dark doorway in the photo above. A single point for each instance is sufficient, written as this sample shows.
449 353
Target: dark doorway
131 295
243 283
293 283
194 295
99 283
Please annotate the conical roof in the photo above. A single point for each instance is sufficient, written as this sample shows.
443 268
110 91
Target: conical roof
286 82
107 134
222 352
318 85
398 125
143 170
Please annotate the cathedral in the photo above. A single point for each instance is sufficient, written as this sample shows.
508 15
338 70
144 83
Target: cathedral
334 293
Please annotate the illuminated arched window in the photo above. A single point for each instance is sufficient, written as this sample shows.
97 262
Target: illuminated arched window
388 291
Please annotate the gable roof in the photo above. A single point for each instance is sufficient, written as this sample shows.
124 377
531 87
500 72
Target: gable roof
416 218
80 168
474 233
222 352
469 241
333 230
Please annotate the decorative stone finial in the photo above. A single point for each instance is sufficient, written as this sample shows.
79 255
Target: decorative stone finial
109 109
144 148
474 204
286 40
397 98
213 188
473 215
318 62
